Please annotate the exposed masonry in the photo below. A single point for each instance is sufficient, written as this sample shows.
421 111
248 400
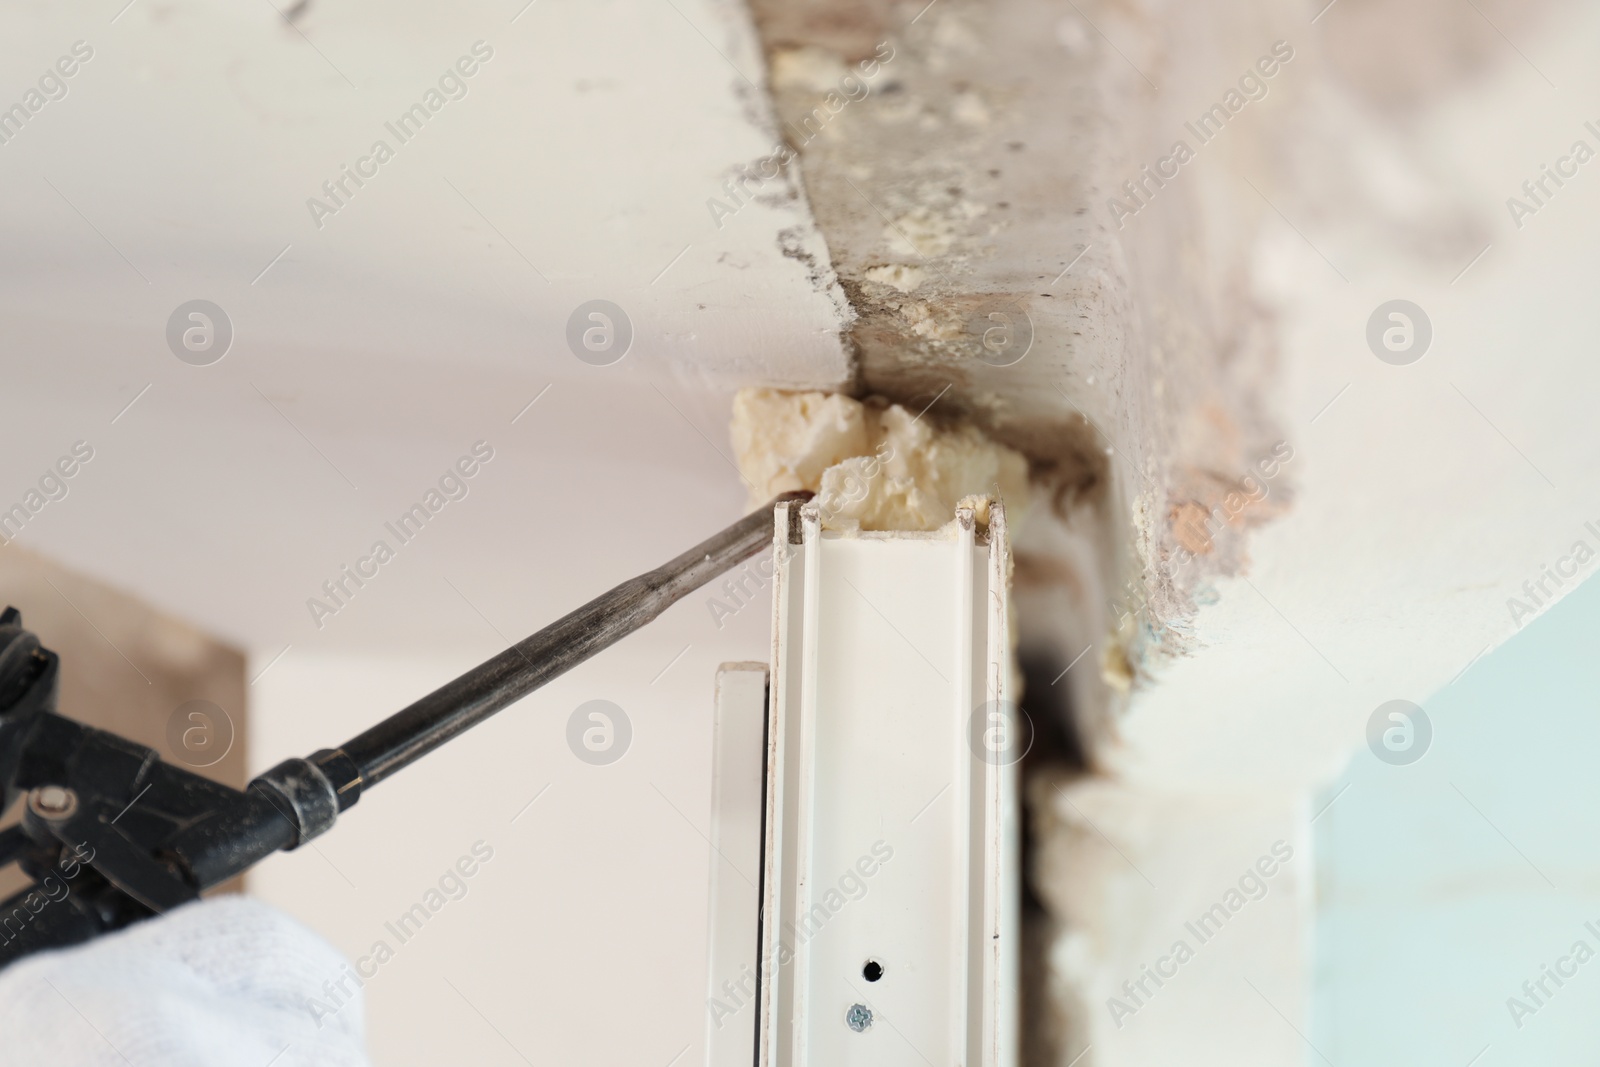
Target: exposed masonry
854 85
1198 529
972 180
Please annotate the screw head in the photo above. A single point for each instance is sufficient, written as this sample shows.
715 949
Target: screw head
53 802
858 1018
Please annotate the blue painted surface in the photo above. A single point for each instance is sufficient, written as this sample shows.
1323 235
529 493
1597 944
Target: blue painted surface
1444 885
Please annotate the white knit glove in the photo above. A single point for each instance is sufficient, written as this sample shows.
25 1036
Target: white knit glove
225 982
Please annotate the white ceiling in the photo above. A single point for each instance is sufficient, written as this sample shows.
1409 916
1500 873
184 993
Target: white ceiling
420 318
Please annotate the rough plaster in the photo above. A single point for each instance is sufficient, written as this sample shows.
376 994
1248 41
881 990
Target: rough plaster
1184 363
972 180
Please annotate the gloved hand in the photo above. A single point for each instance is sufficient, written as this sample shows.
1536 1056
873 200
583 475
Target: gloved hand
225 982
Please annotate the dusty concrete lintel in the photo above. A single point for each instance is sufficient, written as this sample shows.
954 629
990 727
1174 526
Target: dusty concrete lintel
960 159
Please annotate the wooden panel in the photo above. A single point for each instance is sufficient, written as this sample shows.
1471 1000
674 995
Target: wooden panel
128 668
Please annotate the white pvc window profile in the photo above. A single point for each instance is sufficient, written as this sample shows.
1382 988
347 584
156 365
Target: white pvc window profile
889 885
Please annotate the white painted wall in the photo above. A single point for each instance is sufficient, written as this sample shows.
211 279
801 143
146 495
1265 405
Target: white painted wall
583 940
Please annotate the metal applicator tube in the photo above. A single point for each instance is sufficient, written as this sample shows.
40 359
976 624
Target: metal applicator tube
413 732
